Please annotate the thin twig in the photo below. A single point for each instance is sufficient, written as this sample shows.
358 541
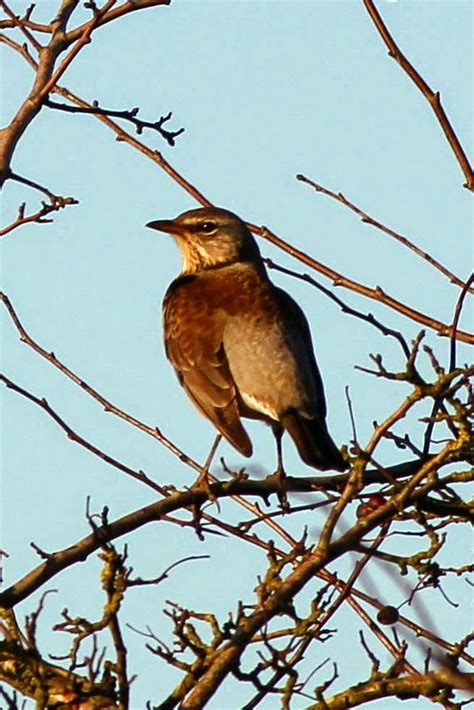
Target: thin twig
24 22
21 23
377 293
456 317
56 202
84 39
73 436
124 9
432 97
345 308
38 217
347 586
338 279
437 403
127 115
108 406
139 582
339 197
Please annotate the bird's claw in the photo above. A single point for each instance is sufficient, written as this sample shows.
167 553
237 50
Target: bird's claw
203 481
280 479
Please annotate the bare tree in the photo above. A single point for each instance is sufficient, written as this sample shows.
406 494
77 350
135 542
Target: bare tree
264 643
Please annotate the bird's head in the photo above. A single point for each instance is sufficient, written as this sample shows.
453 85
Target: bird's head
210 237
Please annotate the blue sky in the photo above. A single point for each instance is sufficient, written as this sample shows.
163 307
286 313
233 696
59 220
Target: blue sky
265 90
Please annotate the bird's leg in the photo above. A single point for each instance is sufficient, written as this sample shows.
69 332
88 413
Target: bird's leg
212 452
280 472
278 433
203 478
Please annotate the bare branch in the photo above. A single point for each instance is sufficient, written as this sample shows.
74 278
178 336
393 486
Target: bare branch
457 316
73 436
377 293
345 308
130 115
24 21
56 202
51 357
339 197
47 75
125 8
433 98
428 685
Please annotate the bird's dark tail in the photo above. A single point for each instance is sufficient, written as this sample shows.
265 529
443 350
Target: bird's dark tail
313 442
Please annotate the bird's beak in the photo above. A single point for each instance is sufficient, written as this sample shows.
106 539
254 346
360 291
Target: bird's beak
163 225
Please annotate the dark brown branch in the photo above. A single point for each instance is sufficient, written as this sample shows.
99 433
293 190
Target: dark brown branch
457 315
433 98
139 582
57 561
130 115
56 202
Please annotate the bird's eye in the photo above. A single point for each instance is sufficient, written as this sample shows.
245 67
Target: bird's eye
207 227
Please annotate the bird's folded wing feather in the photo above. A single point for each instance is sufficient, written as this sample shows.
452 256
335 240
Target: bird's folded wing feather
193 340
298 332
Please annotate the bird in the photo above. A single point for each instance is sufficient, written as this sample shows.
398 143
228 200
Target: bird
241 347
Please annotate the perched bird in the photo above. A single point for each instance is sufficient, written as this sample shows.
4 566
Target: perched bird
240 346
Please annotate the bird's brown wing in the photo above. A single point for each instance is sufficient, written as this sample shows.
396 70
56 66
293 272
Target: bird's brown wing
300 344
307 427
193 339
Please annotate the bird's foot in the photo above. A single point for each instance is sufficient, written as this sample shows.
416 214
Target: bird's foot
280 478
170 488
240 475
204 482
